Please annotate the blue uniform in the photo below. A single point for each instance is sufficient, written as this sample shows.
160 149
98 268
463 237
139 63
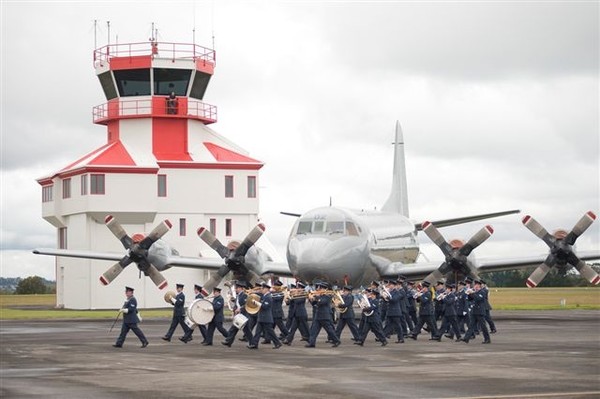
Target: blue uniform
178 316
217 321
130 321
297 313
265 322
393 321
426 316
322 320
449 320
373 322
478 318
347 318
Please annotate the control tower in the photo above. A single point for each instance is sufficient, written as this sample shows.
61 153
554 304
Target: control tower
160 161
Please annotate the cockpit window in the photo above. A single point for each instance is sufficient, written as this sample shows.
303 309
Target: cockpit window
351 229
327 227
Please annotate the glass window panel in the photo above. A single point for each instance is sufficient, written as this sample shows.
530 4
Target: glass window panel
335 227
199 86
162 185
228 186
251 186
304 228
133 82
168 80
108 85
97 184
228 227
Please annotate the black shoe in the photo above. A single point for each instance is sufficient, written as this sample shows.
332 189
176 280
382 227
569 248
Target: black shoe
449 336
265 342
144 344
493 332
183 339
117 346
465 340
207 343
304 339
487 341
359 343
309 346
277 346
251 346
226 343
400 341
336 344
168 339
384 343
286 342
242 339
412 336
438 339
458 340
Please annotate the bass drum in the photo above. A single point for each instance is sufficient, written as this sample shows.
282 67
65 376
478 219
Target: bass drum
201 311
239 321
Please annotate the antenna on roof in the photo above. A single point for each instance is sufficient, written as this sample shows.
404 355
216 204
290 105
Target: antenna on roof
108 27
95 34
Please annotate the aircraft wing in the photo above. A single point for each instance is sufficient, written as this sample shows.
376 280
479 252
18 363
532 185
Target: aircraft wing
69 253
417 271
277 268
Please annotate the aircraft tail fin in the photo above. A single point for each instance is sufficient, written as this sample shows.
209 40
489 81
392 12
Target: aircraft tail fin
398 199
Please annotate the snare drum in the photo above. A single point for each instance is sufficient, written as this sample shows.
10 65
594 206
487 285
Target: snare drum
239 321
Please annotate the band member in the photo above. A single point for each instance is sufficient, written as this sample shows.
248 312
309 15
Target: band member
412 304
426 313
217 321
297 313
372 320
461 307
178 314
239 308
439 305
278 312
130 320
322 317
407 324
449 320
479 307
488 307
187 337
252 317
393 321
265 320
347 317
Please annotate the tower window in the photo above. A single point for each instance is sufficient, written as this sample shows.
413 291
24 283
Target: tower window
168 80
228 186
84 185
162 185
97 184
66 188
251 186
228 227
47 193
62 238
182 227
213 226
133 82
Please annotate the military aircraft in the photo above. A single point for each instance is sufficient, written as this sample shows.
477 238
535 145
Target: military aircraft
345 246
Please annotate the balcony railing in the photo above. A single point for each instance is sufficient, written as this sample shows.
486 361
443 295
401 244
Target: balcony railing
157 106
156 49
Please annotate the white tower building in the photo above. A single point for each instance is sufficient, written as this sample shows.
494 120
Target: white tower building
160 161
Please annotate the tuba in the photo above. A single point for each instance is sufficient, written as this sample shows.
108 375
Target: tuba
363 303
385 293
252 305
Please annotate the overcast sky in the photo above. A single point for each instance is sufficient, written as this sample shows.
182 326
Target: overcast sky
498 101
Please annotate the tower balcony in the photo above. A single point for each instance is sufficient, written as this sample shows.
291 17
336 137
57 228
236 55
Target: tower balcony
154 106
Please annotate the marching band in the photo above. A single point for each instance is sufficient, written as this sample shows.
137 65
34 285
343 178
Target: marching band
391 306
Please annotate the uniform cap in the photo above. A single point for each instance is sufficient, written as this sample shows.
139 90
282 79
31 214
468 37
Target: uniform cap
197 287
300 284
278 283
426 284
348 287
265 285
217 289
128 289
179 285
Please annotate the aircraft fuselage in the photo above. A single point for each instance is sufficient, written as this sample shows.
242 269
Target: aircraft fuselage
344 246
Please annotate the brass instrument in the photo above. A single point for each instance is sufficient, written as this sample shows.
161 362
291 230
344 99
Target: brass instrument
441 296
252 305
384 293
338 301
417 294
363 303
469 291
168 296
230 295
295 293
313 294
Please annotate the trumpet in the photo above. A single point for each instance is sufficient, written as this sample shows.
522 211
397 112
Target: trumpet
417 294
441 296
469 291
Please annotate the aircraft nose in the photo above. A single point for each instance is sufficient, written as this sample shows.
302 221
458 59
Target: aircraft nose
319 257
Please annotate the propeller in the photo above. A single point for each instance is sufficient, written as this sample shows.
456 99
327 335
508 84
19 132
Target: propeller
137 252
233 255
561 249
456 252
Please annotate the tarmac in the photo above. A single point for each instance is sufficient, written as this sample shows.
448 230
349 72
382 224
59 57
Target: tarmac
535 354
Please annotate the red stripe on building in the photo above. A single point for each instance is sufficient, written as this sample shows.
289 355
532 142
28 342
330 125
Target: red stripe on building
224 155
169 139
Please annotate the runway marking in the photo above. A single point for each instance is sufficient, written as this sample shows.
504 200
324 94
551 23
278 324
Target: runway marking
536 395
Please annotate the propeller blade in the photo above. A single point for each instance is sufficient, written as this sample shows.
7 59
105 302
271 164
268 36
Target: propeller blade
434 234
537 229
435 276
538 275
116 228
250 240
157 278
212 241
475 241
587 272
580 227
215 278
159 231
108 276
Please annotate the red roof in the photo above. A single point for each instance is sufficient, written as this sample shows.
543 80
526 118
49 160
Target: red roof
224 155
